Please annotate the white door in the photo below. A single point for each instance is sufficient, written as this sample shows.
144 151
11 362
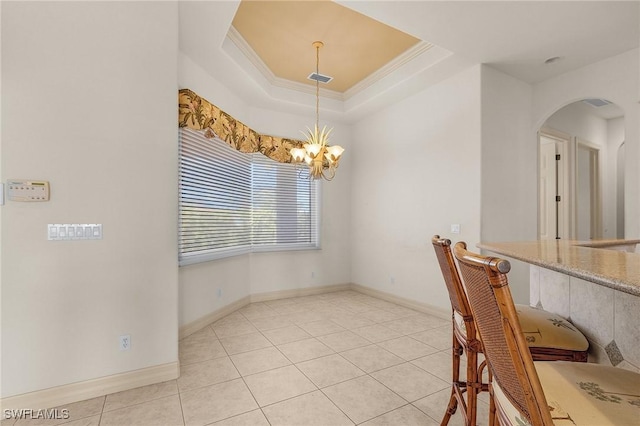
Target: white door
547 213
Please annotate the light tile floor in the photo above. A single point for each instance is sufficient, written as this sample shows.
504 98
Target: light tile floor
338 358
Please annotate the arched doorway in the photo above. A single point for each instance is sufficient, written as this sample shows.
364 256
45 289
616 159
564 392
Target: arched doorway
579 171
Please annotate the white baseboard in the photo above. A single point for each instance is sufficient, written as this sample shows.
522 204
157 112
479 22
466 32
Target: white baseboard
298 292
74 392
408 303
214 316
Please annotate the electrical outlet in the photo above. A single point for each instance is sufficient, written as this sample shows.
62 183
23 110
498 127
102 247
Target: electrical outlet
219 293
125 342
455 228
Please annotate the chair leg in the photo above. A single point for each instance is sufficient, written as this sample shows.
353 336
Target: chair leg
493 416
456 350
474 386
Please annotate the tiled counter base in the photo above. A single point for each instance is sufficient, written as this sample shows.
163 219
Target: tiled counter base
609 318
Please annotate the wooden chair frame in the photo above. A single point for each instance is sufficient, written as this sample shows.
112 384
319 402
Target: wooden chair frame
532 401
470 344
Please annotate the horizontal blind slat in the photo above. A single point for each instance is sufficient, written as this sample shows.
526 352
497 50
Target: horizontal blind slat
231 200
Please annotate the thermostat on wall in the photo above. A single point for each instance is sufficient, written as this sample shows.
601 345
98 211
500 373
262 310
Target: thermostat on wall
28 190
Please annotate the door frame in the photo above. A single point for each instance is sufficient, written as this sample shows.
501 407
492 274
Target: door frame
595 184
564 179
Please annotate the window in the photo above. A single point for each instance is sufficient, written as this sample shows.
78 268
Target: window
233 203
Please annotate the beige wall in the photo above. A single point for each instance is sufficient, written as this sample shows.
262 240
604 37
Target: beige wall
89 104
509 169
416 171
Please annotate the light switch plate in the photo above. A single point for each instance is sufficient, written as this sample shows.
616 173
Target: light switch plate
74 231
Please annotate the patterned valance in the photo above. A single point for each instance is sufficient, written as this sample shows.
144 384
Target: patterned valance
197 113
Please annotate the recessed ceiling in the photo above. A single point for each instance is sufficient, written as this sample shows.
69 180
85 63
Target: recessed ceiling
515 37
281 34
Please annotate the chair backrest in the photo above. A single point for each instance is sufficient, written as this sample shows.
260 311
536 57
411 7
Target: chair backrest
459 303
505 349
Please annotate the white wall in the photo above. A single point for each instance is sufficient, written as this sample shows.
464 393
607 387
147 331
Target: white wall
257 273
617 80
509 169
416 171
89 104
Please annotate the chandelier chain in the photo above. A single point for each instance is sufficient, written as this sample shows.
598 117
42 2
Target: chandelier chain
317 86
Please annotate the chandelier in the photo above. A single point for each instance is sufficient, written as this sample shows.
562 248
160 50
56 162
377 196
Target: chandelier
316 152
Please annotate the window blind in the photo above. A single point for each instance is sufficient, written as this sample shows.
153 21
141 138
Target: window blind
232 203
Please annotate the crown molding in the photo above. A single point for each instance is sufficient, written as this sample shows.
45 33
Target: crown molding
393 65
405 57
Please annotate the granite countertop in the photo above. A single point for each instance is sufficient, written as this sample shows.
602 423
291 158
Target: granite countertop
603 262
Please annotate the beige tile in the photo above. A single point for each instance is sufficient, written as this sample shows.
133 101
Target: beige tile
403 416
592 309
292 308
234 328
329 370
415 323
270 323
229 319
351 321
259 360
438 364
276 303
305 316
72 412
252 418
376 333
205 333
363 398
372 358
409 381
379 315
288 334
407 348
277 385
401 311
440 337
304 350
231 398
198 350
257 310
320 328
435 406
355 306
343 341
140 395
626 330
164 411
244 343
87 421
206 373
555 289
310 409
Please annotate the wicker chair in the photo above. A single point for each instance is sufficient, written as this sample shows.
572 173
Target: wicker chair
546 341
525 392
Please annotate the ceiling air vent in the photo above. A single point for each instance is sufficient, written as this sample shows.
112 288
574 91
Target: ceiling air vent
596 103
319 77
